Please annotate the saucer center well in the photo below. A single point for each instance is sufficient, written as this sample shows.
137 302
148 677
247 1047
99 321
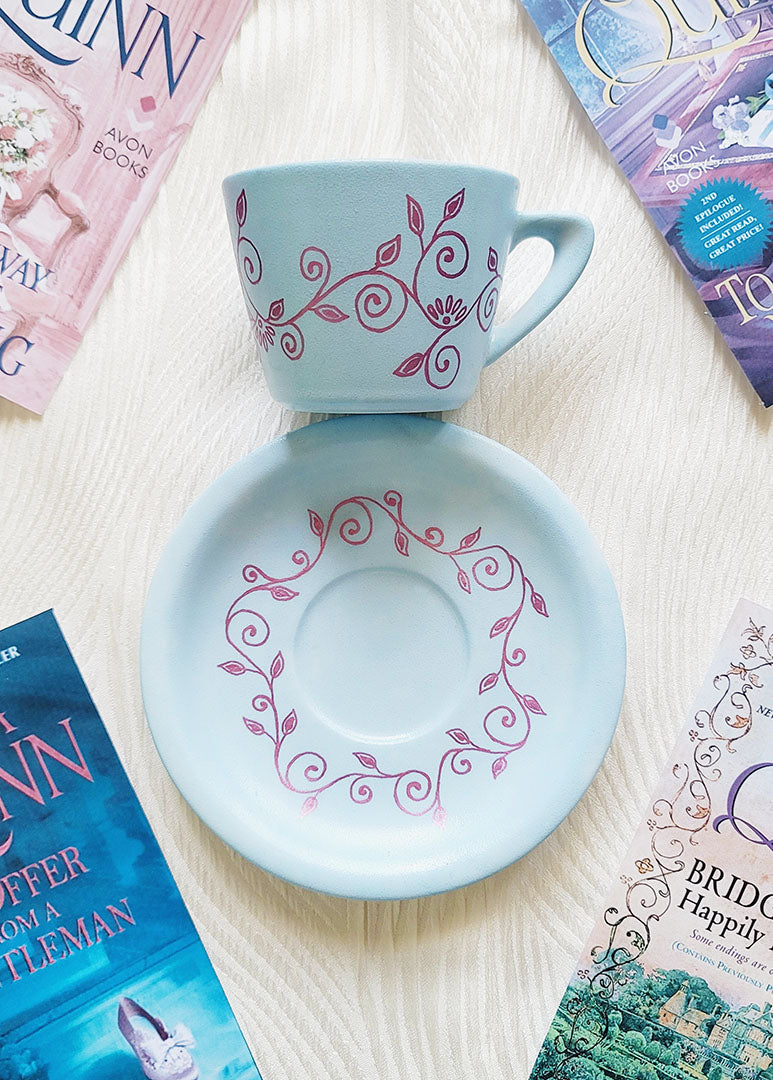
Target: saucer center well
381 654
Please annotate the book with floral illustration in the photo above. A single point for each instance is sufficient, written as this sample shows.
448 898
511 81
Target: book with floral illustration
95 101
682 93
102 973
676 980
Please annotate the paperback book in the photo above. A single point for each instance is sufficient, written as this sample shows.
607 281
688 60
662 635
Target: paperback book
95 101
676 980
682 93
102 974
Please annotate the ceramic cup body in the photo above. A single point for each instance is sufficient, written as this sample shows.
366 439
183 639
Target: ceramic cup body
372 286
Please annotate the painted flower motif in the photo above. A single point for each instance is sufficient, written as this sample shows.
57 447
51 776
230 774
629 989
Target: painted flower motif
448 312
747 651
264 332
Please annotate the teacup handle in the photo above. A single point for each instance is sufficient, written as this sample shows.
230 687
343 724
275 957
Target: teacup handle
571 237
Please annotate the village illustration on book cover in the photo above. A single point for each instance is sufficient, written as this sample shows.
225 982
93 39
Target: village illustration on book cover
676 980
682 93
95 100
102 974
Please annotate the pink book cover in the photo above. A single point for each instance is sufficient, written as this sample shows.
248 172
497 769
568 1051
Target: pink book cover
96 97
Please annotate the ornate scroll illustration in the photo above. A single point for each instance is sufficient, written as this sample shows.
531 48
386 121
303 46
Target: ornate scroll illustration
676 822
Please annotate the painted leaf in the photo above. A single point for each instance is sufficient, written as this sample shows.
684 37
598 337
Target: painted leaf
458 735
439 816
233 667
366 760
308 805
277 666
277 310
538 603
699 812
410 366
290 723
241 208
498 766
533 705
488 682
281 592
316 523
401 542
415 216
330 313
499 626
253 726
454 205
389 252
493 260
463 580
471 539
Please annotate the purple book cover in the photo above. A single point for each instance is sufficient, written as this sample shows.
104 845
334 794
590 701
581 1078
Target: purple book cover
102 973
682 93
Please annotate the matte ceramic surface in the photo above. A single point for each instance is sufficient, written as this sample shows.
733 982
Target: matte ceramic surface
372 286
382 656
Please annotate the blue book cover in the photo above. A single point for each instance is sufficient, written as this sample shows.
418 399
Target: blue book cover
102 973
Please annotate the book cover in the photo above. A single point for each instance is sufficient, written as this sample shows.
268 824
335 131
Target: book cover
676 980
95 100
102 974
682 93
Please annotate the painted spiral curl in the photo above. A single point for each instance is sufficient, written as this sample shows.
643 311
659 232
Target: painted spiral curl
453 256
412 790
292 341
380 305
487 305
442 364
251 261
493 569
250 627
315 265
356 530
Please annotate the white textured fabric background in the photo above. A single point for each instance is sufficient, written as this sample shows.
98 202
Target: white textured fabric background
626 397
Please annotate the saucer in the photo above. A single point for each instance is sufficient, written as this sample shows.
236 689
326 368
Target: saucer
382 656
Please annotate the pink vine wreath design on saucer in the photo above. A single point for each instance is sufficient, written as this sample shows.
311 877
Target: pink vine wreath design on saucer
383 296
416 791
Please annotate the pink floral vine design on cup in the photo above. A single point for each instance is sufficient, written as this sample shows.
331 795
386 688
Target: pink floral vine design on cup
416 791
382 296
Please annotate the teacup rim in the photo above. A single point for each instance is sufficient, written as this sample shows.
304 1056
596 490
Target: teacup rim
329 164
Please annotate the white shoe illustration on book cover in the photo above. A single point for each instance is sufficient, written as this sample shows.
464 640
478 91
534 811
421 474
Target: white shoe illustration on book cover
163 1055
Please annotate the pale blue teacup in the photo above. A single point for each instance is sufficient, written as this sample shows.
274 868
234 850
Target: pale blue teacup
372 286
